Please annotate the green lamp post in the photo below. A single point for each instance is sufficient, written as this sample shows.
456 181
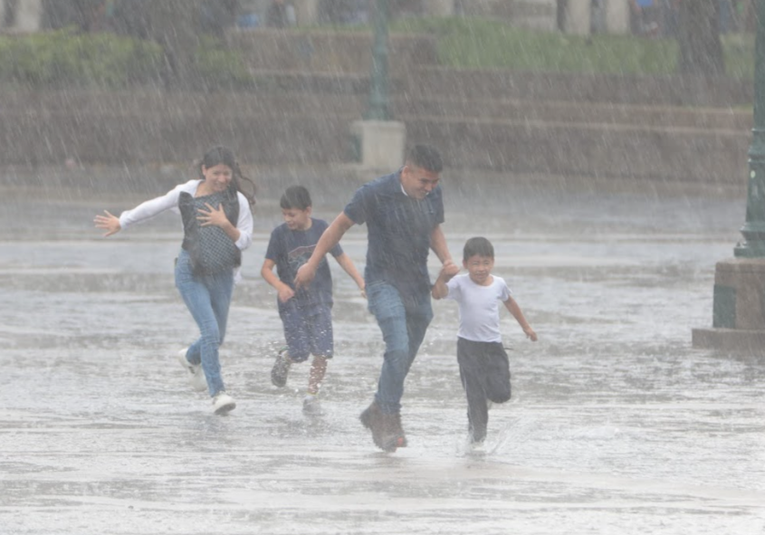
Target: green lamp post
379 105
753 245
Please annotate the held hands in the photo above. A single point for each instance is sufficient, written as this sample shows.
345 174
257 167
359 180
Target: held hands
109 222
449 270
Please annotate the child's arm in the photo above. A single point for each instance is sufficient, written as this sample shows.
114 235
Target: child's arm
284 292
350 268
448 271
515 310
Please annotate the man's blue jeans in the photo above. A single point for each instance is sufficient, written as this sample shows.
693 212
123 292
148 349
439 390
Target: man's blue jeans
403 323
208 298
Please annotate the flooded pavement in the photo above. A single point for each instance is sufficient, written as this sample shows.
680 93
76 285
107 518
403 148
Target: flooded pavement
616 425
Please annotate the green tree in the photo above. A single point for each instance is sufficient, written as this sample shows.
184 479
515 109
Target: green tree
701 49
175 25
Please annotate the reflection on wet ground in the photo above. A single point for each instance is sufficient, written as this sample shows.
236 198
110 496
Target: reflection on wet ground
617 425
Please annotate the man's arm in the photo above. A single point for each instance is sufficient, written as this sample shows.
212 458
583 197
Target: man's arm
438 244
329 238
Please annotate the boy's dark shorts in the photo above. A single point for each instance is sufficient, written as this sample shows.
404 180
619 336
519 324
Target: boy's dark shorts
307 330
485 368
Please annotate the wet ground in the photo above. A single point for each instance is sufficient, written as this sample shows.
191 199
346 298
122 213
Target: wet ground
616 426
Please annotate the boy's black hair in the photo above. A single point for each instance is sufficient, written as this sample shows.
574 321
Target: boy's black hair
426 157
295 197
478 246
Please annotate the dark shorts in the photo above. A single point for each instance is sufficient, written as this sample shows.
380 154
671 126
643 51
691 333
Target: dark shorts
484 370
307 330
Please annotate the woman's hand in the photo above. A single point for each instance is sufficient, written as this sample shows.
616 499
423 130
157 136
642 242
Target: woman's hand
212 216
109 222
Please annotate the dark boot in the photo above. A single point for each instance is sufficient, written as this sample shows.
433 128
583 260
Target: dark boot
371 418
387 433
392 435
399 431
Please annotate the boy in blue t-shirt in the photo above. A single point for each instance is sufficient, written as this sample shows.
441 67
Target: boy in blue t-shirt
306 313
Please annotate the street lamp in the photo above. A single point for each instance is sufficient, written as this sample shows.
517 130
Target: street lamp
738 315
753 230
379 106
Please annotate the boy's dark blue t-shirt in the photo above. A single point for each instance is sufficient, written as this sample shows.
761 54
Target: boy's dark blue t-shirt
290 249
399 228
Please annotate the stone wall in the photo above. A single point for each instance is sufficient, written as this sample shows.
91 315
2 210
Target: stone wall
311 87
140 127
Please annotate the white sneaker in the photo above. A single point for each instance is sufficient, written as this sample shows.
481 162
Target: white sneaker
223 403
312 406
196 374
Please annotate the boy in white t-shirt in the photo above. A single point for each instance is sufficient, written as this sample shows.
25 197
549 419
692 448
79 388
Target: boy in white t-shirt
484 367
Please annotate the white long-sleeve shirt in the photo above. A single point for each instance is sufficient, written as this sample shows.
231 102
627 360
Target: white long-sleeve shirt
153 207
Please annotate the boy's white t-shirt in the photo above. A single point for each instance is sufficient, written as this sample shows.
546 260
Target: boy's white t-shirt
479 307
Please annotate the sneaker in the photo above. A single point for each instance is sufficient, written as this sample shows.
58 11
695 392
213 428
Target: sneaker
312 406
281 368
477 436
476 447
223 403
196 374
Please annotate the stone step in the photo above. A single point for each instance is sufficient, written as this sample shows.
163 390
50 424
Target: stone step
291 103
592 114
709 157
176 135
708 146
487 84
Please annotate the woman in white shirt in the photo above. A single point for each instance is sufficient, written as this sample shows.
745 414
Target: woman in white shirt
217 225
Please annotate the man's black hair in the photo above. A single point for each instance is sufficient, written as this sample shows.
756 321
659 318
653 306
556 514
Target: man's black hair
426 157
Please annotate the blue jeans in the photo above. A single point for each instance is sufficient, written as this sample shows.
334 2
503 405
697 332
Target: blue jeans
208 298
403 324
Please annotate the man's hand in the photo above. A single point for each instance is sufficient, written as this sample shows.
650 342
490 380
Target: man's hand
304 276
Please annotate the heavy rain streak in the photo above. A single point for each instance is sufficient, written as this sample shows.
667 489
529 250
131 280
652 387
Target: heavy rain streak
609 150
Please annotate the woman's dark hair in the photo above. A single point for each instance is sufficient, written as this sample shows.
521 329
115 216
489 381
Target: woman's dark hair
222 155
295 197
477 246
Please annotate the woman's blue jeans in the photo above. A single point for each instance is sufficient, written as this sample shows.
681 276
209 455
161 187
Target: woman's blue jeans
403 323
208 298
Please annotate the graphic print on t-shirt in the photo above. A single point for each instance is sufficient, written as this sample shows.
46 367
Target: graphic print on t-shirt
299 256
